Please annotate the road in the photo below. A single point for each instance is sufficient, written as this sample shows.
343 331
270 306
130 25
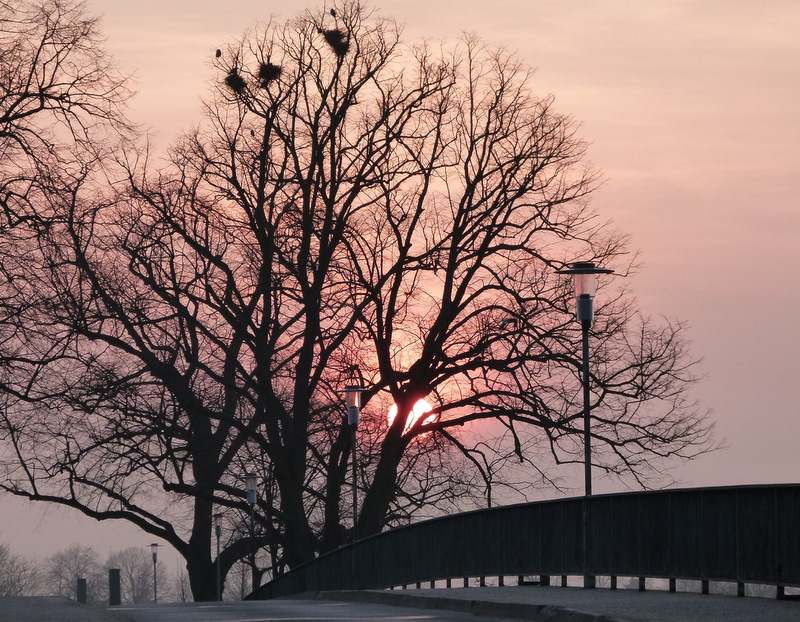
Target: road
280 610
491 604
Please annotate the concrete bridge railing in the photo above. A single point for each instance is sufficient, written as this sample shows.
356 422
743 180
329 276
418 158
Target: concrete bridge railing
741 534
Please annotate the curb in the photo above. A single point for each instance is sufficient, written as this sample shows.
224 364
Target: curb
518 611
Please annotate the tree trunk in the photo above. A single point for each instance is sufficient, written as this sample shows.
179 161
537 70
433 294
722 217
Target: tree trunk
333 531
199 564
301 544
381 493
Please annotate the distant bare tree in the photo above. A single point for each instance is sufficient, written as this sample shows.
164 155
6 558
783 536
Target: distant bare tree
238 585
182 589
350 203
63 569
135 566
19 575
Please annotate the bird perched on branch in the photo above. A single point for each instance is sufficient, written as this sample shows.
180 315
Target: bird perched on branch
218 54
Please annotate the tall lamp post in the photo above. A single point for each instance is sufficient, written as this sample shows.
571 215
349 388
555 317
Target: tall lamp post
251 486
352 396
584 275
218 533
154 551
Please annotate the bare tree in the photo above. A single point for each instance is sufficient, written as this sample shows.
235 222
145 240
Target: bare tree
238 585
64 568
350 203
19 575
61 101
135 566
182 589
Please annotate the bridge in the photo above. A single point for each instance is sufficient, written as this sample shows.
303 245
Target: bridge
738 534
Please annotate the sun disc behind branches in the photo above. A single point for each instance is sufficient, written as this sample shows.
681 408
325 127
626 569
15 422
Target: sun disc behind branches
421 410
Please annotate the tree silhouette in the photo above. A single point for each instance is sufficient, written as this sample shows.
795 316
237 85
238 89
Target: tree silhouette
61 102
63 569
19 575
391 208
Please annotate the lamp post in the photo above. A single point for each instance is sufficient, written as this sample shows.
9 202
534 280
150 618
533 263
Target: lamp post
154 551
352 396
218 533
585 279
251 486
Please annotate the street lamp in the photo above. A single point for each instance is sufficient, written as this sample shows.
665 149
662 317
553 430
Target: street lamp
251 486
218 533
585 279
154 551
352 398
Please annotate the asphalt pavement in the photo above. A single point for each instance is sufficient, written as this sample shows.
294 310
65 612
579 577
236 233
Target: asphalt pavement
52 609
538 604
570 604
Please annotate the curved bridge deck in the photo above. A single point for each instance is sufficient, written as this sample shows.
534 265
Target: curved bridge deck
739 534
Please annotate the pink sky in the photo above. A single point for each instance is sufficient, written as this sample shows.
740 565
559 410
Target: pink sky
693 111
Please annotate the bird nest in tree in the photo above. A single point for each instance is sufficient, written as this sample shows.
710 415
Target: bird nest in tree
234 81
338 41
268 72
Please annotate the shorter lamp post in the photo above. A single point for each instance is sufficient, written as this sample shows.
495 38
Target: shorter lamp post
352 396
154 551
251 486
585 279
218 533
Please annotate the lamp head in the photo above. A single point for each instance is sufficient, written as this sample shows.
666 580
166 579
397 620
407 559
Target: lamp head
250 481
352 398
251 486
584 274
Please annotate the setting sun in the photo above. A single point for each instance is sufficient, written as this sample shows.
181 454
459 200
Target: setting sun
421 408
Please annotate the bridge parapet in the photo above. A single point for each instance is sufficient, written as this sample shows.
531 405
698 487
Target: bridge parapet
741 534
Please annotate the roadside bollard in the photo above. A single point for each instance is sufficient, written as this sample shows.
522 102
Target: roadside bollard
82 591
